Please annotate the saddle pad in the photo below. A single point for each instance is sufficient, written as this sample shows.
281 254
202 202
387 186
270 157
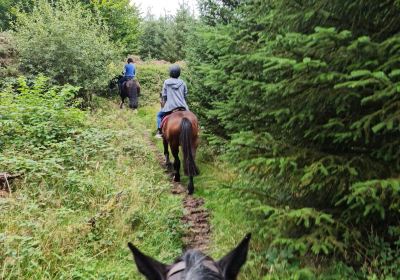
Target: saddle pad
164 120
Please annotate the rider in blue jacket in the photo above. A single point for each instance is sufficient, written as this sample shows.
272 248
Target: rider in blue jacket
129 72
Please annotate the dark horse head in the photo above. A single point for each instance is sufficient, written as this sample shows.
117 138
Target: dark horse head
113 83
194 265
130 89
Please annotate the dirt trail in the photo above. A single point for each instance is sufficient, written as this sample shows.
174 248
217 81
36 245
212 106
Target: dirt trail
196 217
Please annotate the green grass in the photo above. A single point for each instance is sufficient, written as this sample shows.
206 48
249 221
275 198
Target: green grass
109 172
230 221
44 226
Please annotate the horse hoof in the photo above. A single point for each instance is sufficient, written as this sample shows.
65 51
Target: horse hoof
190 190
177 178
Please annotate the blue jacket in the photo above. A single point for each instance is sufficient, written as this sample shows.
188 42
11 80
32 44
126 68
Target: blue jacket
130 70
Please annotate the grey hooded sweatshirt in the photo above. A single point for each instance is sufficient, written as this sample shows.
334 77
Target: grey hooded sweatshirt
176 91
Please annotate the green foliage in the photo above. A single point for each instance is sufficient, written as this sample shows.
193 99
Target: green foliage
8 8
215 12
5 6
84 189
48 43
8 56
151 77
166 38
122 18
38 115
306 96
39 122
153 32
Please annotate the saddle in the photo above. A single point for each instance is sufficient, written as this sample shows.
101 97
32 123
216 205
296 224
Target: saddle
123 85
126 80
168 114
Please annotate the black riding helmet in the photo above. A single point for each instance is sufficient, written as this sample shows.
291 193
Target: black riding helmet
174 71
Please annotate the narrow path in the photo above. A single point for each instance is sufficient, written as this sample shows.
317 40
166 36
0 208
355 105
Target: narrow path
197 235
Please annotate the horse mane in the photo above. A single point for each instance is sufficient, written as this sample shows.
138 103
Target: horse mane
195 268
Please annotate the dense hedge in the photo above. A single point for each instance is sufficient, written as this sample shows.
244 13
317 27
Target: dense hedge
151 76
48 43
306 95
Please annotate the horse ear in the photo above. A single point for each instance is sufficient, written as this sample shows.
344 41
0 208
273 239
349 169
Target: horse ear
149 267
232 262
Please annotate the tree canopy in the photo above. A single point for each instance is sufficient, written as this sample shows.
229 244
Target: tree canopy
166 37
305 95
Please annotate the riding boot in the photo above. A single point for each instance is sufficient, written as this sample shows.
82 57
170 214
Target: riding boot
159 133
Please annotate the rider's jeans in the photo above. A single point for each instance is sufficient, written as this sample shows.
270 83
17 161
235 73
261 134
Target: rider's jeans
160 115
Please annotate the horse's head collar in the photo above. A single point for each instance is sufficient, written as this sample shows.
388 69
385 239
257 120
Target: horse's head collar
178 269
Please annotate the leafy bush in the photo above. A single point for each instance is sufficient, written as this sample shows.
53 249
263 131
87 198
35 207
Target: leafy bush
7 9
306 96
40 125
151 76
122 19
38 115
8 56
48 42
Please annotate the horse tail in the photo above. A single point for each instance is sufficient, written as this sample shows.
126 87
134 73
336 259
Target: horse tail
186 138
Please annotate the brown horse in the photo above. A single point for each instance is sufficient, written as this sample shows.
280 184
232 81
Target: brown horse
181 129
130 89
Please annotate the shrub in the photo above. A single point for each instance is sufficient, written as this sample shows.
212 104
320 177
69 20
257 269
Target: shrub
151 76
122 18
38 115
43 132
8 56
66 43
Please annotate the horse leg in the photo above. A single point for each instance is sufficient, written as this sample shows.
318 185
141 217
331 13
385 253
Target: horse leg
190 186
166 154
121 93
133 100
121 105
191 183
177 164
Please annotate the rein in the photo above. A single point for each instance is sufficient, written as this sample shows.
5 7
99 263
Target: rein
175 273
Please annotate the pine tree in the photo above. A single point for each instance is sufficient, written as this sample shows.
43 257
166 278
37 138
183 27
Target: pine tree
167 37
306 96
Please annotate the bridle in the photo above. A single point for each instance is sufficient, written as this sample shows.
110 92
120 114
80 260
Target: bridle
175 273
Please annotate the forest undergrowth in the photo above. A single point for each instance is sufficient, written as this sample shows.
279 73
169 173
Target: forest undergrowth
89 185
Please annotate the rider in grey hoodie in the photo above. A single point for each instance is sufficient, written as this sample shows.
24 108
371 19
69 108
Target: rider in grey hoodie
173 95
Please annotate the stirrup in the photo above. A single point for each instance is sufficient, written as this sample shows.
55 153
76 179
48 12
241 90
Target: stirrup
159 136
